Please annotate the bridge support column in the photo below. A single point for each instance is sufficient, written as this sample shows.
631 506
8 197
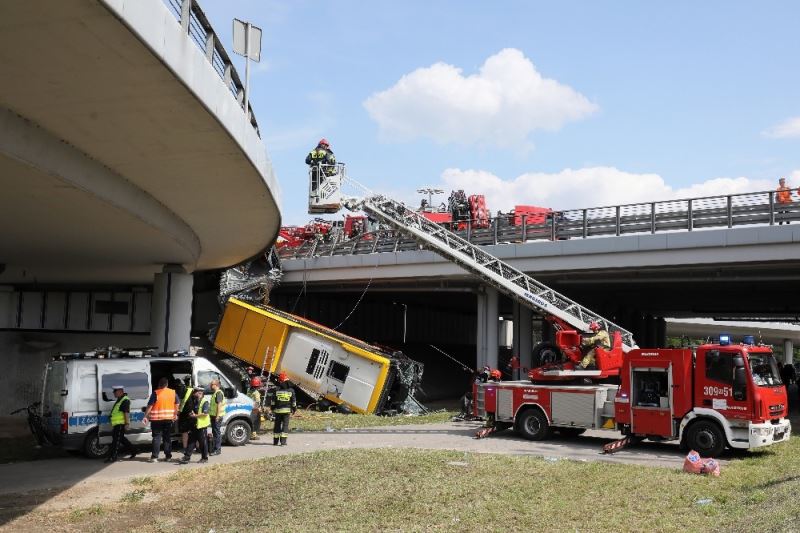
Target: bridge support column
788 351
487 334
661 333
171 311
523 335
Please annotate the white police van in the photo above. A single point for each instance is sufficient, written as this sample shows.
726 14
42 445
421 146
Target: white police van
77 397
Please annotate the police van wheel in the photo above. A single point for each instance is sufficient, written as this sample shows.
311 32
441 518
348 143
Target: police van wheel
238 433
92 447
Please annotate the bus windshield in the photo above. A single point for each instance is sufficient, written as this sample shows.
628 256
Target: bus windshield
765 370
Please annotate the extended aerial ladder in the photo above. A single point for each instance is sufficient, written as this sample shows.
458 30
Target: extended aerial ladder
325 196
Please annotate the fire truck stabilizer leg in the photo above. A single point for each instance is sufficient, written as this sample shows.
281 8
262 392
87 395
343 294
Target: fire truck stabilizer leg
485 432
617 445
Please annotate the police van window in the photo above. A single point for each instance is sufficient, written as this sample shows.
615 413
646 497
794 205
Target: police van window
719 366
136 385
205 377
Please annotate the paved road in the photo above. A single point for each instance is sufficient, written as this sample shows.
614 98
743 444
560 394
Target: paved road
57 473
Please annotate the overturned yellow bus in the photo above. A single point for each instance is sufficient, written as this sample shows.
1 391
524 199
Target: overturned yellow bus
321 361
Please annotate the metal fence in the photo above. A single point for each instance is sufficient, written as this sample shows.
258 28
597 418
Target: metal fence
194 22
730 211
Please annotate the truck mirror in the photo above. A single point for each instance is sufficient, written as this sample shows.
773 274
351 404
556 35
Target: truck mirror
229 392
739 383
105 397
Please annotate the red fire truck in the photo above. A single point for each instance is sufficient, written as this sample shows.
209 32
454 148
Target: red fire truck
706 398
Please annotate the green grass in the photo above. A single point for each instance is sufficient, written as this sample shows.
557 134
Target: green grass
134 496
417 490
315 421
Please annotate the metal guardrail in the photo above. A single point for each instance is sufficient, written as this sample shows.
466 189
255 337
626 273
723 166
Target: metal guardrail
194 23
729 211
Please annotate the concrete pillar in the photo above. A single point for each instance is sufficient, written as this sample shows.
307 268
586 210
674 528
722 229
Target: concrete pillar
788 351
661 333
523 335
480 330
487 338
8 307
492 327
650 327
171 315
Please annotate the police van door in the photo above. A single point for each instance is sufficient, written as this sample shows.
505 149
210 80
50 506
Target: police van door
134 376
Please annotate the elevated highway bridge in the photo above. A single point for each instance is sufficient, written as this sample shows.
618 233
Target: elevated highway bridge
730 257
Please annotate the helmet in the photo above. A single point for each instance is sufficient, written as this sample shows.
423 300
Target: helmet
283 377
594 326
323 142
250 369
495 374
255 382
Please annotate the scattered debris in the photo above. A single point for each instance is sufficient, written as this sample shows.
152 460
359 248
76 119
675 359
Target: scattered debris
704 501
457 463
694 464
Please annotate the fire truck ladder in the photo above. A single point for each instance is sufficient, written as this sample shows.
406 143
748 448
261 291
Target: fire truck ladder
488 268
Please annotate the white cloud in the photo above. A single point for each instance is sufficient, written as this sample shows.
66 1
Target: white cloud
500 105
587 187
788 128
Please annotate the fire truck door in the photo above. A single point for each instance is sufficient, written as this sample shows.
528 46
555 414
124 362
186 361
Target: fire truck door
651 402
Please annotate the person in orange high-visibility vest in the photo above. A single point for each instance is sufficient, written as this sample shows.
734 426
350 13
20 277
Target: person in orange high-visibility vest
162 411
783 196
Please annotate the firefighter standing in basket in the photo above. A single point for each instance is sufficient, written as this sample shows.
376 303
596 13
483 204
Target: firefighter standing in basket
598 338
283 405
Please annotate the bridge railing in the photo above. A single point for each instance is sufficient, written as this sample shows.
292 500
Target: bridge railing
195 23
691 214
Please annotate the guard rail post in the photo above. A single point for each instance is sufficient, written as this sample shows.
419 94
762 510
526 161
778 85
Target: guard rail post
524 228
652 217
186 15
495 223
771 208
730 211
585 224
689 220
617 221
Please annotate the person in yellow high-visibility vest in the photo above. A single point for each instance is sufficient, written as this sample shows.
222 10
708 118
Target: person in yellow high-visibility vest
283 405
217 411
199 434
120 421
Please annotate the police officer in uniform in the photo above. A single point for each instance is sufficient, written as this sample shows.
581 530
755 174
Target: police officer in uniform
283 405
199 433
120 421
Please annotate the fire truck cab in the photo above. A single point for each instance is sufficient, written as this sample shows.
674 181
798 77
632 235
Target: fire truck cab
707 398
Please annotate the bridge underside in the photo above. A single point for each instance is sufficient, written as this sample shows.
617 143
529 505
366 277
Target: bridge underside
111 162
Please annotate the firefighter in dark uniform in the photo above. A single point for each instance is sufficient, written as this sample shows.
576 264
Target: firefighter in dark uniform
120 421
283 405
321 158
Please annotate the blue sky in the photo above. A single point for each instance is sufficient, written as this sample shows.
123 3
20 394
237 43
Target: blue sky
566 105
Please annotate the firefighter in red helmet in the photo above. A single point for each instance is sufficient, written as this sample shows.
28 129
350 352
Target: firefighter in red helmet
283 405
495 375
598 338
322 158
254 393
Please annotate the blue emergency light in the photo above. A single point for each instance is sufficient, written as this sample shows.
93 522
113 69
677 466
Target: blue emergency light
749 339
724 339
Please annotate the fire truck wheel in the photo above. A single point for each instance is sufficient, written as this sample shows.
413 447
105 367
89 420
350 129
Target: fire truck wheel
532 424
545 353
706 438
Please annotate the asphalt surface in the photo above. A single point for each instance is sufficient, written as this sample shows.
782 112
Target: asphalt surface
71 471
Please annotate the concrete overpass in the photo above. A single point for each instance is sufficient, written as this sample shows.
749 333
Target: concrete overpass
415 298
123 146
127 163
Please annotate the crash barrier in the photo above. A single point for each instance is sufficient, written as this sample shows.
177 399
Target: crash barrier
194 22
729 211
